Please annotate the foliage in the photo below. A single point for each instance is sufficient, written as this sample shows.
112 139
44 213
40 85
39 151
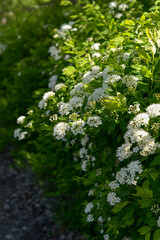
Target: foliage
92 137
26 35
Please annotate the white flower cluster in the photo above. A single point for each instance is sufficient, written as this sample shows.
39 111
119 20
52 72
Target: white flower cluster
153 110
106 237
46 96
128 174
54 52
118 15
59 86
113 185
90 218
135 108
112 5
112 198
130 81
94 121
76 102
18 133
64 108
99 93
21 120
77 90
84 140
52 82
53 118
60 130
137 135
100 219
88 207
95 46
94 49
123 7
77 127
64 28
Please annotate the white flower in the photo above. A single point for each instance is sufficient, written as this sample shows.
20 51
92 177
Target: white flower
121 175
96 54
100 219
52 82
123 7
60 86
84 140
53 118
95 46
84 165
130 81
54 52
90 218
141 119
60 130
65 27
91 192
135 108
77 90
113 185
48 95
106 237
112 199
153 110
88 77
126 56
118 15
82 152
112 5
98 94
67 56
77 127
21 120
18 133
88 207
124 151
94 121
76 102
64 108
95 69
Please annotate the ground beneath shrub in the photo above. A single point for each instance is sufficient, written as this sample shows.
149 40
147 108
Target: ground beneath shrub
24 213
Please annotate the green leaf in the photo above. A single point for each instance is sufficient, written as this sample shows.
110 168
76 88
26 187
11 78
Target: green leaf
66 3
117 103
149 34
119 206
157 68
145 203
146 72
154 174
148 236
111 127
156 235
142 53
143 230
143 192
156 161
68 71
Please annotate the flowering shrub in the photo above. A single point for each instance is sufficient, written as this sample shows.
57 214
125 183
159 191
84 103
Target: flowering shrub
95 131
24 66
